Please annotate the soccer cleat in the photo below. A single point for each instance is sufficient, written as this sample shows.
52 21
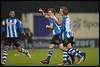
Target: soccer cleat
45 61
62 63
82 58
28 55
3 63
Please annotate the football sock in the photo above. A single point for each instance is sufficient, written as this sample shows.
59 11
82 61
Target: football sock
4 56
66 56
51 50
75 52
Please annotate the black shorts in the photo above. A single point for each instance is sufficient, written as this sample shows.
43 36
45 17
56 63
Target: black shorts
15 41
67 41
57 39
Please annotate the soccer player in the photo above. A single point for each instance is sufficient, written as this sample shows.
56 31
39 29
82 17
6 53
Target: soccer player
12 29
56 40
68 36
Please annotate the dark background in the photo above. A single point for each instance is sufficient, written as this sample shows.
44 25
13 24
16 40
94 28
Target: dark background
33 6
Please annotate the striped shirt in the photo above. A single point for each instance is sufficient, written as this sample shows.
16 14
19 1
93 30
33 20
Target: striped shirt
56 28
66 27
12 26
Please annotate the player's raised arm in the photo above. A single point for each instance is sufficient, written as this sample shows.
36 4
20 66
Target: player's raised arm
41 10
56 20
3 23
3 28
43 13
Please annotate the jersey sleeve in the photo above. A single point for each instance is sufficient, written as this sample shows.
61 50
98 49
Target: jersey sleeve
50 21
19 25
55 18
62 25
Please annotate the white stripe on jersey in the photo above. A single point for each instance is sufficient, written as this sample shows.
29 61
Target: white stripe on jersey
68 35
7 28
56 25
53 32
20 22
55 18
11 32
15 32
67 24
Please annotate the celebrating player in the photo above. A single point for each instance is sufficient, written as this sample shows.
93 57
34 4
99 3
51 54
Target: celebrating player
68 36
56 40
12 29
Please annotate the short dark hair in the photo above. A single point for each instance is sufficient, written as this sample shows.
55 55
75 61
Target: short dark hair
65 10
12 10
52 10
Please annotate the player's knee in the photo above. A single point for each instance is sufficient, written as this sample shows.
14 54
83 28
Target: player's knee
51 45
18 49
61 46
6 47
17 44
7 43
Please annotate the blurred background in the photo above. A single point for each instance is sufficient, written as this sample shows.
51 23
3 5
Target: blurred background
84 16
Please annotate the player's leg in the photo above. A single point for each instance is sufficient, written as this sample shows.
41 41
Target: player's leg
64 51
19 48
67 45
66 59
58 41
83 56
79 54
50 52
71 56
17 53
7 43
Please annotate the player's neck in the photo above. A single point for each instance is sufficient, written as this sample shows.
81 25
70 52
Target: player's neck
11 17
65 15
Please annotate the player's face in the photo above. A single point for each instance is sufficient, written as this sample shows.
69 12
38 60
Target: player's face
50 13
61 11
12 14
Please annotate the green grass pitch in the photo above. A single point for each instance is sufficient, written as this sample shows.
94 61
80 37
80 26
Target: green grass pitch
92 58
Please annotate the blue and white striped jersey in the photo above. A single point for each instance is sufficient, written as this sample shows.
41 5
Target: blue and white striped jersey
66 27
12 26
56 28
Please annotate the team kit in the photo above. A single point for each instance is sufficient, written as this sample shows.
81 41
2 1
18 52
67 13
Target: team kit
12 28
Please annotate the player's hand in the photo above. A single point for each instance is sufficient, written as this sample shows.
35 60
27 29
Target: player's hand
60 19
40 10
47 26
